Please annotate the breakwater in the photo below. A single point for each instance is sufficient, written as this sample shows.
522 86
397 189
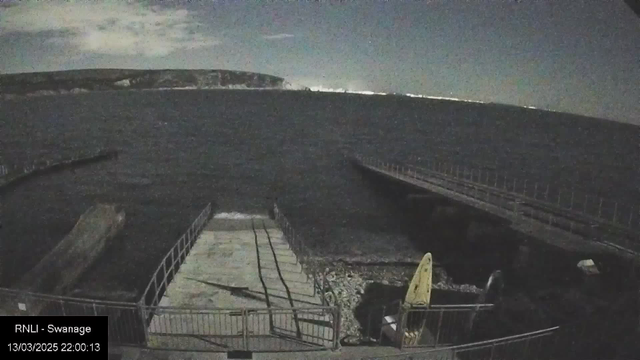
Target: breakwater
15 175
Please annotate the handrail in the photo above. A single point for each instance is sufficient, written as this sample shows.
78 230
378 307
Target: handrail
217 309
302 251
508 198
188 238
534 199
42 296
622 215
474 345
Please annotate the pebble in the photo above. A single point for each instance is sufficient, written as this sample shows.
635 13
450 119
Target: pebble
349 283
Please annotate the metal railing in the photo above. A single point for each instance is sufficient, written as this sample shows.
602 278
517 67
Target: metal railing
210 329
126 326
305 257
572 211
170 264
587 338
439 325
251 329
529 346
613 212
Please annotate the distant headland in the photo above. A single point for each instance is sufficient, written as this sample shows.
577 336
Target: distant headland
80 81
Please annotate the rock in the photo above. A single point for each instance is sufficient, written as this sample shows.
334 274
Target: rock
440 275
123 83
351 340
588 267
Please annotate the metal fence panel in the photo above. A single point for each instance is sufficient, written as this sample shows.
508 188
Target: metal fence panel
126 325
536 345
434 326
264 330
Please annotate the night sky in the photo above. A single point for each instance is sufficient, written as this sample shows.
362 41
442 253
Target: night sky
578 56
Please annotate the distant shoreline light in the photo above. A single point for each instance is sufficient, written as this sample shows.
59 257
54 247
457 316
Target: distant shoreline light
364 92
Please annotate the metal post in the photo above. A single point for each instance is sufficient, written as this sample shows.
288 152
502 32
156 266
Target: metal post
155 286
572 195
143 318
336 327
584 208
600 208
439 328
546 194
400 325
245 340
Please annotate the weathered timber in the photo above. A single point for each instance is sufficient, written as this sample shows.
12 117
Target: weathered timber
58 271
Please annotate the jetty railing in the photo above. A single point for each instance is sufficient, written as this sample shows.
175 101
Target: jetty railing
570 210
170 264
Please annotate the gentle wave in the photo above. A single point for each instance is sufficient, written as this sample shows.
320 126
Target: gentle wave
237 216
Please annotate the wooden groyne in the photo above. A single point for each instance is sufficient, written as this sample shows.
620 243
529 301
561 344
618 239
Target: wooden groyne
16 175
60 269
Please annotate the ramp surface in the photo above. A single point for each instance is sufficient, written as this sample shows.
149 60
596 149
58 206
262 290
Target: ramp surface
241 287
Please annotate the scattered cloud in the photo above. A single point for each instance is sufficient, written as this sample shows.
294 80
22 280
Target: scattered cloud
108 27
277 36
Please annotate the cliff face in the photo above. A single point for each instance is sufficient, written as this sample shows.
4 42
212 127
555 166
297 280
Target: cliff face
77 81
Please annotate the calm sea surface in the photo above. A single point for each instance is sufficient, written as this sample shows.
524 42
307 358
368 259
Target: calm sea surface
242 149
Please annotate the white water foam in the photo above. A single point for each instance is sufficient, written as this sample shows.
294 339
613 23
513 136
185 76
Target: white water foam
237 216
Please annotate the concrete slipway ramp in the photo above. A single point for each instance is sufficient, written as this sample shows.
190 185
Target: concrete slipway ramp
241 287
